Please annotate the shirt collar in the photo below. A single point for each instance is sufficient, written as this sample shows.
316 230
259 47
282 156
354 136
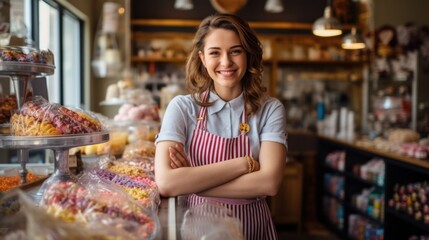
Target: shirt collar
237 104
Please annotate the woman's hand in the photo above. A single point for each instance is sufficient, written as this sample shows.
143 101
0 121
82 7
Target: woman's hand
178 157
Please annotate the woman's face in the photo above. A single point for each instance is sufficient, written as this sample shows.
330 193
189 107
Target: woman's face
225 60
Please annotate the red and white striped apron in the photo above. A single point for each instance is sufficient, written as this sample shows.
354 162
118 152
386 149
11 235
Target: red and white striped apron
207 148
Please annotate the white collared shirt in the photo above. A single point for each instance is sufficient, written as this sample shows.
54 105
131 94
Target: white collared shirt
223 119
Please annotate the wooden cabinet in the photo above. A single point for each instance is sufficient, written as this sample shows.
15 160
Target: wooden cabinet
286 206
347 196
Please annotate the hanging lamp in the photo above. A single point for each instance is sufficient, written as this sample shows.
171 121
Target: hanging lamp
274 6
353 41
327 26
183 4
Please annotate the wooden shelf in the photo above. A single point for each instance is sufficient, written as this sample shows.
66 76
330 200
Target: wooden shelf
136 59
407 218
364 181
364 214
196 23
319 62
390 155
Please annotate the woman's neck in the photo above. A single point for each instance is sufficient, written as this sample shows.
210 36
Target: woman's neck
228 94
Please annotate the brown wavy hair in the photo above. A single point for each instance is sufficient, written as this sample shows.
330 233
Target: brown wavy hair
197 78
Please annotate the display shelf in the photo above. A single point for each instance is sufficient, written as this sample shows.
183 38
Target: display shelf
333 170
398 170
172 47
334 196
59 144
319 62
406 218
136 59
52 142
21 74
365 214
361 180
26 69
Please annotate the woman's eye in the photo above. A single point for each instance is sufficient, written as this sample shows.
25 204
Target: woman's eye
236 52
214 53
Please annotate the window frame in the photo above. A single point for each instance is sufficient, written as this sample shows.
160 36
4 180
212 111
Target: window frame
65 8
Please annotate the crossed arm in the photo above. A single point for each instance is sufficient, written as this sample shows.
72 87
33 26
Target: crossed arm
230 179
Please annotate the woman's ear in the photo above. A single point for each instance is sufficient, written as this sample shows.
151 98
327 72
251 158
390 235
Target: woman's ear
201 55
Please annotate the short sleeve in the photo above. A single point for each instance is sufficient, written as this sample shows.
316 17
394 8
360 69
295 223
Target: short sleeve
274 126
174 122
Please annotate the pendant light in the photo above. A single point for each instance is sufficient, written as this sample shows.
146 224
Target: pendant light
183 4
353 41
327 26
107 58
274 6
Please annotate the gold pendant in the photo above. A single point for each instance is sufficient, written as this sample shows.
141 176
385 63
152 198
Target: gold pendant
244 127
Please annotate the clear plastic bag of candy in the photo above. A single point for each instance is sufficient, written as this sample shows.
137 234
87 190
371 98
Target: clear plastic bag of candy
92 202
38 117
139 149
10 177
210 221
35 222
147 163
136 181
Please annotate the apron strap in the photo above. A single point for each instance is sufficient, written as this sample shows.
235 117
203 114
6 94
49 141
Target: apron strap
202 114
202 117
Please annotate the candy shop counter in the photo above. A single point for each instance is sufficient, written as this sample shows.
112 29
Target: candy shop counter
168 217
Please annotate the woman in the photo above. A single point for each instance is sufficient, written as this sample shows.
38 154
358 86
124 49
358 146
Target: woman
225 141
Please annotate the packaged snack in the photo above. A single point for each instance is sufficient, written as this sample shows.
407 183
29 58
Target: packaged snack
139 149
210 221
38 117
92 202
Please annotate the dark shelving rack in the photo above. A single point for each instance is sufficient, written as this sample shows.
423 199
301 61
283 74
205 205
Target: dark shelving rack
398 170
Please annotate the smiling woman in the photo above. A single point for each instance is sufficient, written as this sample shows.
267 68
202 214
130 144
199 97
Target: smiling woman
225 142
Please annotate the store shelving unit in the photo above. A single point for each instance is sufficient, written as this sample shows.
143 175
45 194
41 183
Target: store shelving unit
398 170
276 46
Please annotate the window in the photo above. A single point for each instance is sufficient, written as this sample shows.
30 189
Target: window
60 31
72 67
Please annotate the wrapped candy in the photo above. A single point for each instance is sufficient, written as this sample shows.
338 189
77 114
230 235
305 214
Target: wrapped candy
38 117
94 203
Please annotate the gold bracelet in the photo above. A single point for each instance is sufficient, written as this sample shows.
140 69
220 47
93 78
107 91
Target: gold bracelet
249 165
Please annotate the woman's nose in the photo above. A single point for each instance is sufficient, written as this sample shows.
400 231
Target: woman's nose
225 60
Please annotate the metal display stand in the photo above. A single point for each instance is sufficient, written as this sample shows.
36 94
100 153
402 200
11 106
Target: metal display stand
21 74
59 144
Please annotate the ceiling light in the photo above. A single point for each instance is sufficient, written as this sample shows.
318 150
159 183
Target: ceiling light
327 26
353 41
183 4
274 6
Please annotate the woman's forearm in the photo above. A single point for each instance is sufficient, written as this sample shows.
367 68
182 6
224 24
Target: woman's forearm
251 185
265 182
185 180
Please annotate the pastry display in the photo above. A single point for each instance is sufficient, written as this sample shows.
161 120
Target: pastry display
41 118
